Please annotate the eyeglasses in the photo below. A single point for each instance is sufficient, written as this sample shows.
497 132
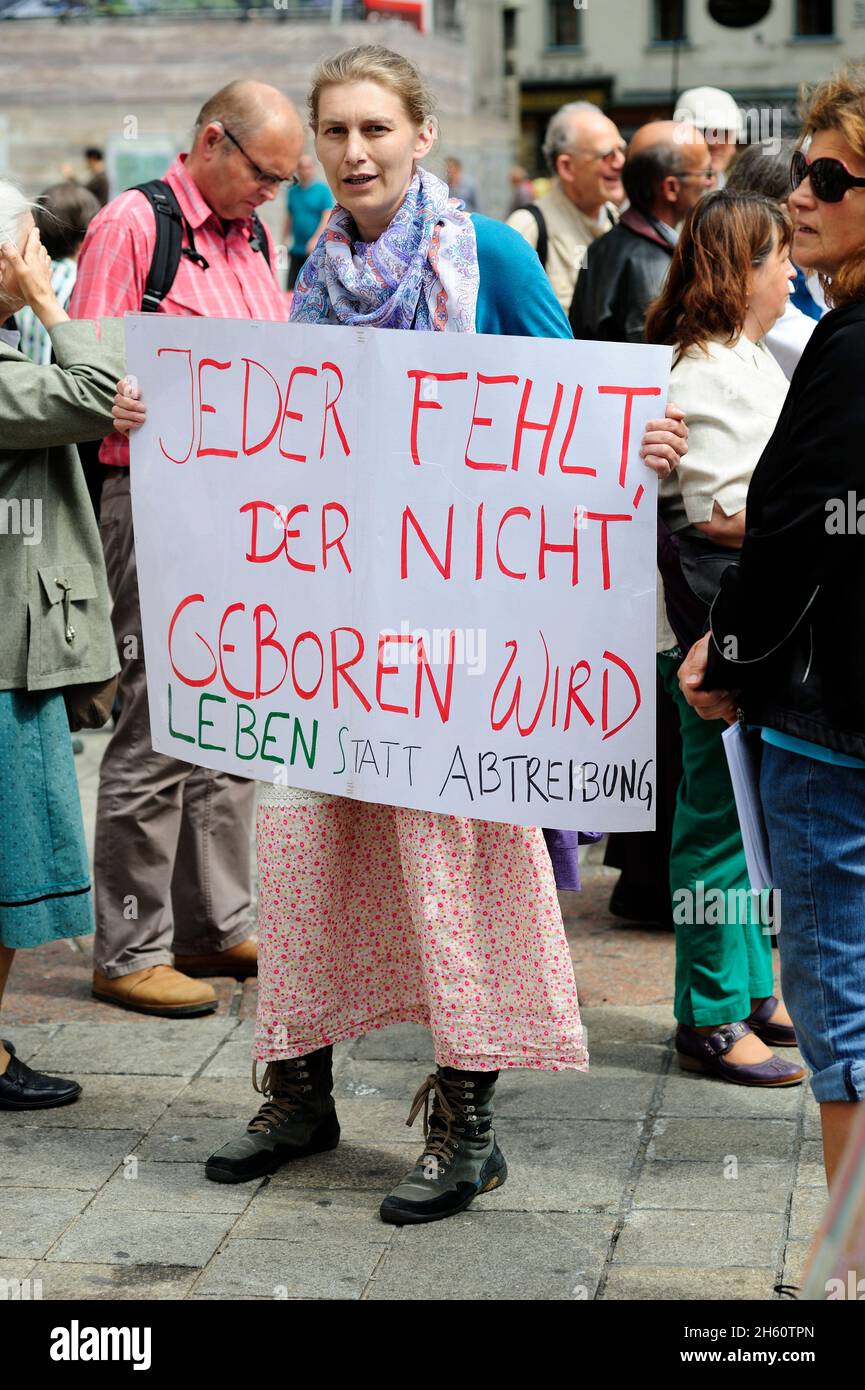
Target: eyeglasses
705 174
601 156
830 178
261 177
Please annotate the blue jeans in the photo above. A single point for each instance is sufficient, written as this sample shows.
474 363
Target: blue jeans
815 817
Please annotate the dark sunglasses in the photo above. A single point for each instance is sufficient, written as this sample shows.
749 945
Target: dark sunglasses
830 178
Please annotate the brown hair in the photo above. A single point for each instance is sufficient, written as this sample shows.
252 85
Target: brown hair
371 62
839 104
705 296
63 213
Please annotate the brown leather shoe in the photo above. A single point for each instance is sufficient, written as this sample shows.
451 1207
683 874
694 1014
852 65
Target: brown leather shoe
158 990
238 962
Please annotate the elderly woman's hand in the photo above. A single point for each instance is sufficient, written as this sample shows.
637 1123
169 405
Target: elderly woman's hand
28 275
665 442
128 410
709 704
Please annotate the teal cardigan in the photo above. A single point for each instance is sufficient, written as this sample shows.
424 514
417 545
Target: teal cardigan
515 296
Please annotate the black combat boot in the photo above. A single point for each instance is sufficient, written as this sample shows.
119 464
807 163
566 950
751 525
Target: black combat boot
461 1157
298 1118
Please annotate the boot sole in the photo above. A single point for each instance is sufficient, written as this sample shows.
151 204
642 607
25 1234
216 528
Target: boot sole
694 1064
160 1010
273 1163
417 1218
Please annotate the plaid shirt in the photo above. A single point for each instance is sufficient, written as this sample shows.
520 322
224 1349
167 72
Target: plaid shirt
34 338
116 256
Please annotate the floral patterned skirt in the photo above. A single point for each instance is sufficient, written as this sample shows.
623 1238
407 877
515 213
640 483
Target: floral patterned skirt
371 915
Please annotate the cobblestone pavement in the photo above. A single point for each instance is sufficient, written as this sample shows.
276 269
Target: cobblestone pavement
636 1181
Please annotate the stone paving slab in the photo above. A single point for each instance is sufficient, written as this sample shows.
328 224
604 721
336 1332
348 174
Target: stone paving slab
170 1047
19 1269
809 1206
484 1256
795 1260
143 1237
404 1042
361 1167
215 1098
282 1213
116 1281
83 1159
30 1222
648 1023
186 1139
585 1168
29 1037
662 1283
172 1187
702 1239
339 1269
811 1172
107 1102
606 1092
689 1094
697 1186
754 1141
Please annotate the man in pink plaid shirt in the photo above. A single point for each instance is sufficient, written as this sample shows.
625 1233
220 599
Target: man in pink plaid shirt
172 861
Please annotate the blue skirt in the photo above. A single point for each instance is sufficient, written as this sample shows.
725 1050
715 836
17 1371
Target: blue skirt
44 875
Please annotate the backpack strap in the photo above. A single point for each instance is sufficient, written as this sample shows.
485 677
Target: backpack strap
170 227
543 239
258 240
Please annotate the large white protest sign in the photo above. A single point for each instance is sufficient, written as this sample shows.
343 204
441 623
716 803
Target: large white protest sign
410 568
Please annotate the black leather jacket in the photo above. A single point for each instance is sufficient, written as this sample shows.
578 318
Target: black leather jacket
624 270
788 624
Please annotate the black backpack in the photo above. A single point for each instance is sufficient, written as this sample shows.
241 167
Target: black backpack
170 226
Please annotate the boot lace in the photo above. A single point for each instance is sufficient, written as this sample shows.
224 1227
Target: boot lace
282 1091
451 1105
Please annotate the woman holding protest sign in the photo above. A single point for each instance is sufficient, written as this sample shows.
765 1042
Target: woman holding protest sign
372 914
785 641
56 635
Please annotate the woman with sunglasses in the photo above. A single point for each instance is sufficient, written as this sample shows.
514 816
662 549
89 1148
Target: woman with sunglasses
785 642
729 281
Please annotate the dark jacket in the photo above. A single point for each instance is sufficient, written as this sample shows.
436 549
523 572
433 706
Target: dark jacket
788 625
623 272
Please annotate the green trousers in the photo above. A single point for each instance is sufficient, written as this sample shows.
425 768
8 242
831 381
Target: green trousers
723 947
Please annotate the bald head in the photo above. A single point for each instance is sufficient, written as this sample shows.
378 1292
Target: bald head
676 133
245 107
668 170
248 139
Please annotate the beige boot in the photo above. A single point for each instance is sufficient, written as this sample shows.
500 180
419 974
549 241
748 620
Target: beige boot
158 990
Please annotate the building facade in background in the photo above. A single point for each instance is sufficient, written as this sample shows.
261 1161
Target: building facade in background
634 56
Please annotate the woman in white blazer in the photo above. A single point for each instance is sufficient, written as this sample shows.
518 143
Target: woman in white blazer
729 282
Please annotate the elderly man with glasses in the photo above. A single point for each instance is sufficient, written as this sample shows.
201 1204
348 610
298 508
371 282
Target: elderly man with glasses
172 853
586 154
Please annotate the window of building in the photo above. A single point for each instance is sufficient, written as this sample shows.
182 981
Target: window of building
509 41
668 21
815 18
564 23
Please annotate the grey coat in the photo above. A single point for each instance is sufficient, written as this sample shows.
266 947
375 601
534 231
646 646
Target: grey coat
49 539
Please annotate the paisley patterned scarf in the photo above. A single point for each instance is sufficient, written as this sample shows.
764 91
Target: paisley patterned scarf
421 273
